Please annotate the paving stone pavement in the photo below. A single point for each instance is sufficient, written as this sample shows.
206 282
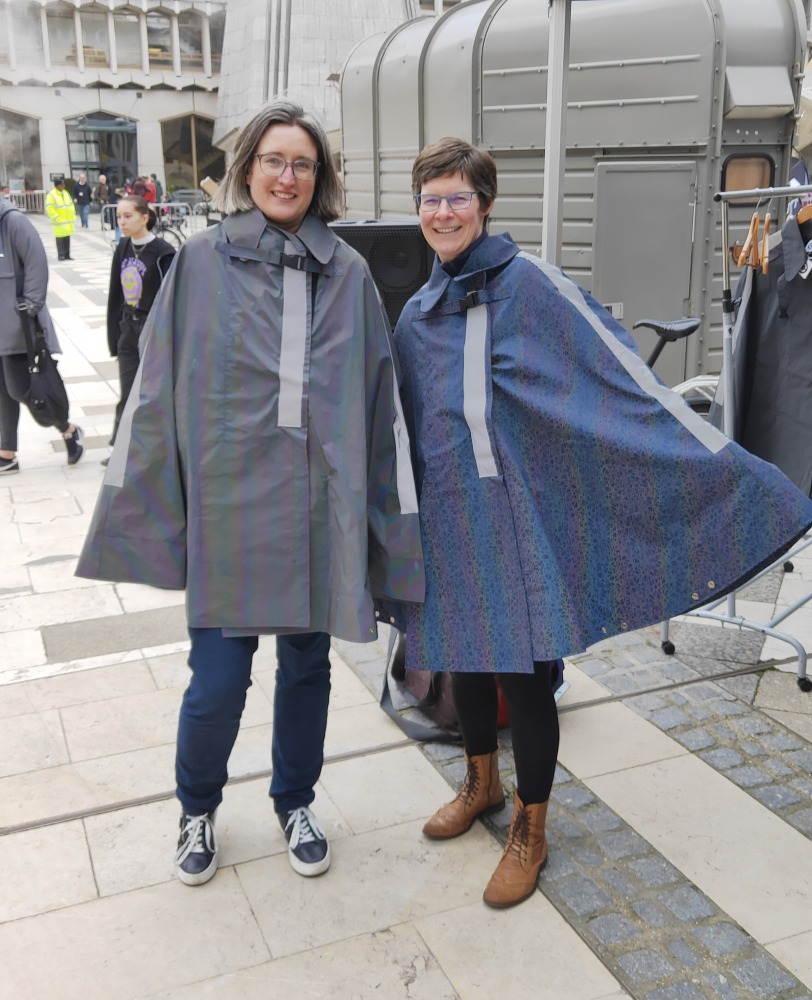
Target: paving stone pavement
661 936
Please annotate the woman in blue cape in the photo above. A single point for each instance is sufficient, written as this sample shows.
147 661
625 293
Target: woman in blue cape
565 494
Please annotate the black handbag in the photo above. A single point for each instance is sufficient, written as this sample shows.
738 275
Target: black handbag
46 398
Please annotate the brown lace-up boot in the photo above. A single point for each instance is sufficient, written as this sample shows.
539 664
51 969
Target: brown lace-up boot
481 793
524 856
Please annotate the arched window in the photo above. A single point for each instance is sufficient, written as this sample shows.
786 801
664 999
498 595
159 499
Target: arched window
20 159
190 31
159 40
189 154
95 39
128 41
28 36
61 34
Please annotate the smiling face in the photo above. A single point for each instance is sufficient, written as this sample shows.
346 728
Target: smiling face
284 200
447 232
131 222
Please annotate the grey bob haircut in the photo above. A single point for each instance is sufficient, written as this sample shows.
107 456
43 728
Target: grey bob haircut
234 196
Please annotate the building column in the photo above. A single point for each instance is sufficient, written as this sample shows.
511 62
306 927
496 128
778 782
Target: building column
80 44
46 43
142 26
206 44
174 34
111 41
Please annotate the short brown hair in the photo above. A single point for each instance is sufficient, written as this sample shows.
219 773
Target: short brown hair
456 156
234 196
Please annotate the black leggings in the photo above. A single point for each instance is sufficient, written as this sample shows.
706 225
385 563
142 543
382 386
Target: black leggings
130 328
533 723
14 384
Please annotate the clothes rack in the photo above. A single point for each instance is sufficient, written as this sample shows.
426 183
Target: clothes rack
708 611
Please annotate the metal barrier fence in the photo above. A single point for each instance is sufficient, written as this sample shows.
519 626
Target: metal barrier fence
179 214
27 201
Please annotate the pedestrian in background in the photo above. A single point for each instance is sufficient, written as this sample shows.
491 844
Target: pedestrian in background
159 190
82 193
261 463
140 263
61 211
101 195
149 194
23 286
565 494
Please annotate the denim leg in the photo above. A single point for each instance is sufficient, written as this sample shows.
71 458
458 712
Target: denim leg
210 715
300 717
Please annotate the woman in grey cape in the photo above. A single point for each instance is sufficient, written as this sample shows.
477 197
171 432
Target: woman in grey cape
262 463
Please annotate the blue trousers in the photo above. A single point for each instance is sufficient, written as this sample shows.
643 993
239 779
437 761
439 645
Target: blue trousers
212 707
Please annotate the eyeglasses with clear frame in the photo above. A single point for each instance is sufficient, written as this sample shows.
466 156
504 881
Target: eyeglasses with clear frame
274 165
457 202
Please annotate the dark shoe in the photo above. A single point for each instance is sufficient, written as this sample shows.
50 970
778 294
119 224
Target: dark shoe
74 445
308 850
68 258
9 466
196 857
105 461
480 795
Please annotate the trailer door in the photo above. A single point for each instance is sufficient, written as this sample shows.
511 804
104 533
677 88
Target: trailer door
644 225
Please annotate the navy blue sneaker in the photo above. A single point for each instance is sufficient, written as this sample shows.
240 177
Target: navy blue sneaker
196 856
8 466
74 445
308 850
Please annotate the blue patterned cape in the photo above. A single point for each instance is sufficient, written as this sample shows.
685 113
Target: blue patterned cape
565 494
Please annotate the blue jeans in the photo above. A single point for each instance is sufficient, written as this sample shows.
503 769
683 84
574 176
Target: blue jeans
213 704
84 213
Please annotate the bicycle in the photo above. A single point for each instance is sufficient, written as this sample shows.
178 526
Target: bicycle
169 229
699 391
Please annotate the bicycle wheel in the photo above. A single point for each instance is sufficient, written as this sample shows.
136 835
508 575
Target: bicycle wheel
171 236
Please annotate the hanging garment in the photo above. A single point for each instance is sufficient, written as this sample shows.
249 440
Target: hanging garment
261 461
772 358
565 494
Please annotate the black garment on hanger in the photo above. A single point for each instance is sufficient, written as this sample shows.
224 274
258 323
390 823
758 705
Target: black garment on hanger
773 359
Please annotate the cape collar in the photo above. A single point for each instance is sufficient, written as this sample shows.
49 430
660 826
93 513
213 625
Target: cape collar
246 229
494 252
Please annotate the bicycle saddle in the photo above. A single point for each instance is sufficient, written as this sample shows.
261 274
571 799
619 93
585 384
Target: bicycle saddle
673 329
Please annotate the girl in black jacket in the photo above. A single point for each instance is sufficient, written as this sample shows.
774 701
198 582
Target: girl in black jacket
139 264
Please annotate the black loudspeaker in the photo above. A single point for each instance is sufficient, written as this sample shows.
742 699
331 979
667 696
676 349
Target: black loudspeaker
397 254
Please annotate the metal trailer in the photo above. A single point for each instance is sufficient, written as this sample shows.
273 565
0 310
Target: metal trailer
669 101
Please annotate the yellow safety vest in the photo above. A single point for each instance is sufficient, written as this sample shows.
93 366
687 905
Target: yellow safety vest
61 211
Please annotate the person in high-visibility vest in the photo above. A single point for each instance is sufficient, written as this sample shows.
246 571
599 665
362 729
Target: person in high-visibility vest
60 210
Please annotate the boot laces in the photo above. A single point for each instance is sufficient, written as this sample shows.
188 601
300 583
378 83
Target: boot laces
519 837
470 785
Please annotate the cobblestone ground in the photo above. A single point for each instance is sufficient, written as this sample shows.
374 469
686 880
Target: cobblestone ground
657 933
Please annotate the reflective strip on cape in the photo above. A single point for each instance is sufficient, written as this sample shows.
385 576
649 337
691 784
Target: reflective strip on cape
292 349
407 490
634 365
475 389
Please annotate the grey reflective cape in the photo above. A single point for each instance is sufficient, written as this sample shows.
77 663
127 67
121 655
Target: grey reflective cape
262 461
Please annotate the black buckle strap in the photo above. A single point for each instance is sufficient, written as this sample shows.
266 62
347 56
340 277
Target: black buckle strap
470 300
294 261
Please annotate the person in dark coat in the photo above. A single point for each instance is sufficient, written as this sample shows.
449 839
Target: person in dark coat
82 193
262 464
565 494
140 262
23 286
